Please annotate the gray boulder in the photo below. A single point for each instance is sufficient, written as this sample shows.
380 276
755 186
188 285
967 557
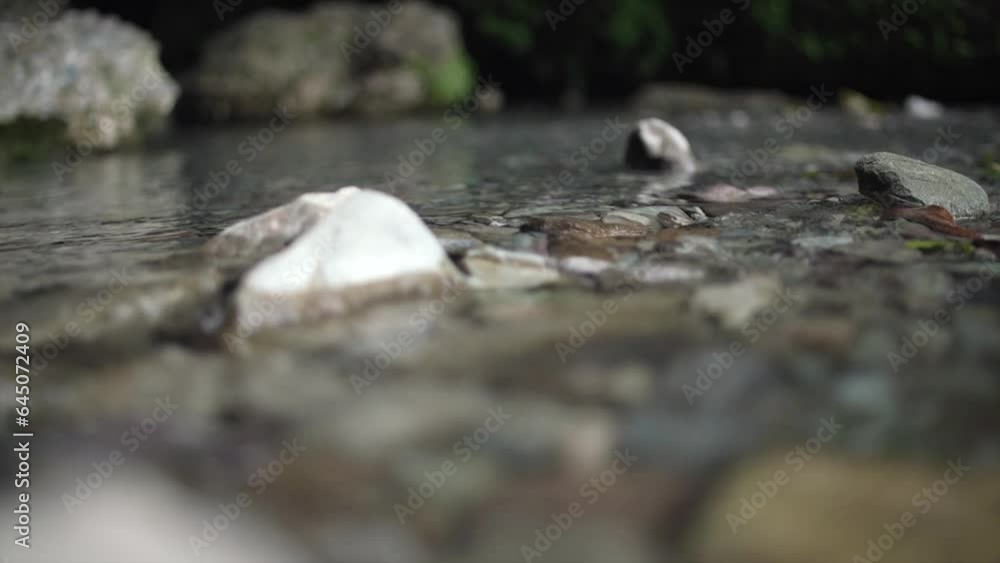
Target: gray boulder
899 181
335 57
80 78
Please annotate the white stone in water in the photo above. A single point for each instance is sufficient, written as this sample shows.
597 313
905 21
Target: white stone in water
657 145
369 246
922 108
267 232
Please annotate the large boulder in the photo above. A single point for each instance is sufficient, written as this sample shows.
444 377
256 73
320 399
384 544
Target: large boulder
333 58
80 78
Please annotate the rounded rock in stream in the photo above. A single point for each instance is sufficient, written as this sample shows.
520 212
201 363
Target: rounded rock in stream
657 145
899 181
369 246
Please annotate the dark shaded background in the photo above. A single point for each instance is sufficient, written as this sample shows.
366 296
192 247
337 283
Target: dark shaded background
605 50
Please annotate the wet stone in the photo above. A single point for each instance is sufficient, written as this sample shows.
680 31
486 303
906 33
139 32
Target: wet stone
585 229
899 181
655 145
494 268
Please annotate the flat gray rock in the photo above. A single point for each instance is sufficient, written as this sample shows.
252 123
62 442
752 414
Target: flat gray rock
898 181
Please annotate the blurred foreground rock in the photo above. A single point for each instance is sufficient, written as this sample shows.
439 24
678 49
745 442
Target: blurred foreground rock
370 58
80 78
827 508
135 513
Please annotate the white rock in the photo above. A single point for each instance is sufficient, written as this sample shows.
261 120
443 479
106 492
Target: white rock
267 232
495 268
922 108
657 145
367 247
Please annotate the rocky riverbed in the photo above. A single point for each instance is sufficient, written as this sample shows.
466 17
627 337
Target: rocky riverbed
743 362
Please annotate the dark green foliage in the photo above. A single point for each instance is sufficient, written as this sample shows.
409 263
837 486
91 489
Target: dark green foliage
783 43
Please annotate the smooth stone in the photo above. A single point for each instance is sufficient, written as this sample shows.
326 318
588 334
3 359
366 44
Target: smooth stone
369 246
656 212
899 181
268 232
629 218
657 145
494 268
585 228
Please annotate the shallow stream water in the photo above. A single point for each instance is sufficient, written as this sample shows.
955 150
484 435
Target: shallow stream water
655 377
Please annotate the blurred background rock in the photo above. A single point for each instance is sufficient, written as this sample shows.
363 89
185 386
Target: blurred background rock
606 50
